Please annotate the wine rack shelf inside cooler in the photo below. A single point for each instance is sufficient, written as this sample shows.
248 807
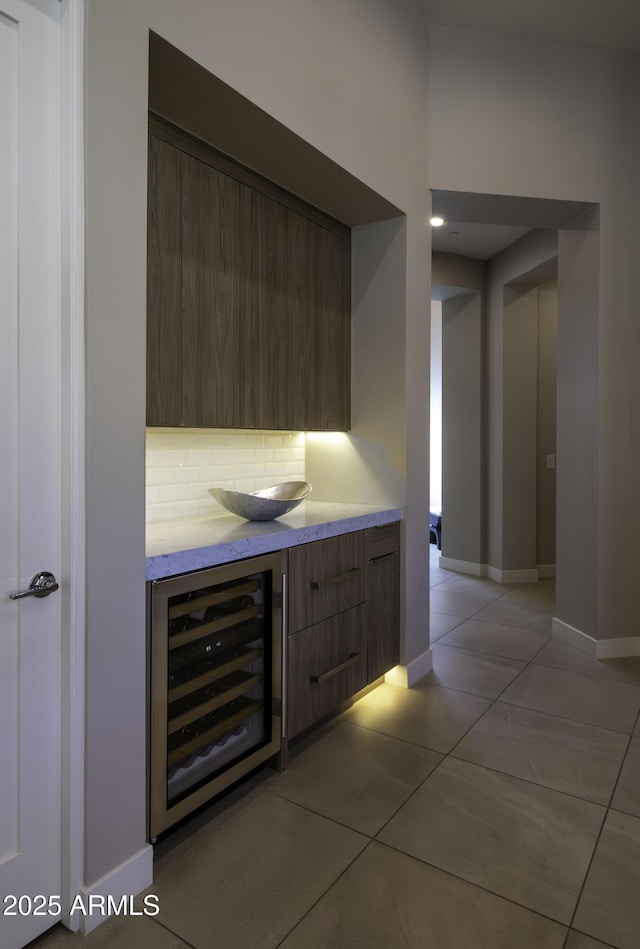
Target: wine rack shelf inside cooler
212 662
209 629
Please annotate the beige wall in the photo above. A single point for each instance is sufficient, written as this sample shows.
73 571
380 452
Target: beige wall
547 294
527 316
519 441
463 384
565 131
511 500
462 430
349 76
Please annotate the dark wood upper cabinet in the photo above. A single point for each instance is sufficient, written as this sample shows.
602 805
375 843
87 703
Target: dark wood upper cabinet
216 297
164 282
281 255
330 394
248 298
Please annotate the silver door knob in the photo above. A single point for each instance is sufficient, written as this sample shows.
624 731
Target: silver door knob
42 584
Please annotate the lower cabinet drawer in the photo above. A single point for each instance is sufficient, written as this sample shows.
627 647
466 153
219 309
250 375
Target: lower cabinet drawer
326 577
327 664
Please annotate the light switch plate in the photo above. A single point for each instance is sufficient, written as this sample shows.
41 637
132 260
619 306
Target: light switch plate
551 461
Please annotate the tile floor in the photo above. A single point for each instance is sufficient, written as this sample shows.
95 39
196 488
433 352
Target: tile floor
496 805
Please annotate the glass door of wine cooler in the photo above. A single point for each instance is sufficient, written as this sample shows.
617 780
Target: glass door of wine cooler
216 676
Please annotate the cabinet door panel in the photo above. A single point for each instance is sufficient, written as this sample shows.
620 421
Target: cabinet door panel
216 296
281 279
248 300
330 306
327 665
383 540
326 577
164 305
384 614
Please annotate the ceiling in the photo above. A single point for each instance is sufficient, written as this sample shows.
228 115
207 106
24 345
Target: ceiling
482 231
609 23
481 225
474 240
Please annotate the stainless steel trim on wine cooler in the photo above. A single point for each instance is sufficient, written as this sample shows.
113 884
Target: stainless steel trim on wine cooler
217 657
285 677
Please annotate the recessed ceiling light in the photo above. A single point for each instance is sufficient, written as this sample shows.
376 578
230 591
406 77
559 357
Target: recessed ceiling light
437 221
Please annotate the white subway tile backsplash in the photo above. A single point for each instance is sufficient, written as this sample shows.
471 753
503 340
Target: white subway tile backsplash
212 474
159 440
171 458
233 472
186 508
173 492
188 474
197 492
160 476
254 441
183 463
200 456
227 441
160 512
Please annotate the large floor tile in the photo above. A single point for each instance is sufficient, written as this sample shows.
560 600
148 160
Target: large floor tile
432 717
541 594
553 752
562 656
118 932
507 641
609 908
442 623
627 796
355 776
474 586
387 900
582 698
521 841
576 940
456 604
514 613
248 878
467 671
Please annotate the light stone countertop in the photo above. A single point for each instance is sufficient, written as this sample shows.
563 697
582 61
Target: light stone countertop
194 543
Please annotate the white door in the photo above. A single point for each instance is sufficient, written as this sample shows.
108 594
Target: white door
30 467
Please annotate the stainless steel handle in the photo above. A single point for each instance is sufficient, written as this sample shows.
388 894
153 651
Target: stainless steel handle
354 657
340 578
42 584
382 557
285 650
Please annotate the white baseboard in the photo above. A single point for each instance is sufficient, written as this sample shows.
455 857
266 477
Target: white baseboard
512 576
598 648
129 879
407 676
500 576
464 566
573 637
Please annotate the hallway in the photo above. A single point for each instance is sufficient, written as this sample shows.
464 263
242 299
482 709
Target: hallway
495 805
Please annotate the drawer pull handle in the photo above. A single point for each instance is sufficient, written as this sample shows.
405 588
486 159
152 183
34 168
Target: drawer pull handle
383 557
354 657
320 584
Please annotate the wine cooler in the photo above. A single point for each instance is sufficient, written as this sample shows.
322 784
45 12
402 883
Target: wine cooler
216 641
